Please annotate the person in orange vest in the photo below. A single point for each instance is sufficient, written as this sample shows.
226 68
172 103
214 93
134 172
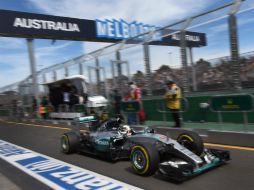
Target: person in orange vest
173 98
43 107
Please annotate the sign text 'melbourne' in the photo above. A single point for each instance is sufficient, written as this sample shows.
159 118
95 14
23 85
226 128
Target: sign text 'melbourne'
115 29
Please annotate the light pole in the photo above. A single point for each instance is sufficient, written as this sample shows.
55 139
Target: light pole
35 86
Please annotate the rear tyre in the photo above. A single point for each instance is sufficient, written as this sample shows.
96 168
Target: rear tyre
145 159
191 141
69 142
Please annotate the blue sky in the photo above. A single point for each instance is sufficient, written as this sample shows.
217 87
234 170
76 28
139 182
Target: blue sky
14 63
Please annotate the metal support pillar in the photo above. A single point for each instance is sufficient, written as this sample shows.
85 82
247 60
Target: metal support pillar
98 77
81 69
185 81
90 80
119 66
232 22
33 70
66 71
183 53
148 69
54 76
119 72
113 74
193 71
44 78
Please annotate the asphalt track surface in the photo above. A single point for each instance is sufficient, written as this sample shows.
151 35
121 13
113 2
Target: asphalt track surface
237 174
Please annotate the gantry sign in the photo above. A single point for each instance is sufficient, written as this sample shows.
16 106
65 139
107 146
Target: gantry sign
30 25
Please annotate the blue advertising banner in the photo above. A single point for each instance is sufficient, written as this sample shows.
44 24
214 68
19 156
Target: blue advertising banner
57 174
30 25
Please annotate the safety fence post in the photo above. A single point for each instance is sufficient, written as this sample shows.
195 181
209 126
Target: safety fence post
148 69
232 22
183 53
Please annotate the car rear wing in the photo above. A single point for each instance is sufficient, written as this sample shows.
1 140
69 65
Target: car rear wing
85 123
87 119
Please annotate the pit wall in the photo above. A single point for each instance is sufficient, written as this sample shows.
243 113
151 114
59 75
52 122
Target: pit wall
194 113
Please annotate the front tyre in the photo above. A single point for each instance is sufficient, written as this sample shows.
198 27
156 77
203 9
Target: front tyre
144 159
69 142
191 141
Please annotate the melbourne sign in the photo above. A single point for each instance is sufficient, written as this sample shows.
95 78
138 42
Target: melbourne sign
114 29
30 25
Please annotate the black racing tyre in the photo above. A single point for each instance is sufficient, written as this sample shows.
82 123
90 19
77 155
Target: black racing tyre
191 141
69 142
144 159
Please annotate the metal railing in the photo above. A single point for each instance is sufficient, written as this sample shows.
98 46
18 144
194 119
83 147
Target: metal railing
229 11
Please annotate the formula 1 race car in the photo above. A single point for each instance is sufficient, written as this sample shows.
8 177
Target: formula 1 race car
148 151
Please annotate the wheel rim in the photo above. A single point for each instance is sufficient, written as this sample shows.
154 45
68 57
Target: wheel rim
187 143
64 143
139 159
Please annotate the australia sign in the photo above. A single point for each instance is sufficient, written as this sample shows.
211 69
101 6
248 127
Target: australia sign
45 25
30 25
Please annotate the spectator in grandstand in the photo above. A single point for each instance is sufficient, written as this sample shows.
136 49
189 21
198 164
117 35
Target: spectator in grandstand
173 99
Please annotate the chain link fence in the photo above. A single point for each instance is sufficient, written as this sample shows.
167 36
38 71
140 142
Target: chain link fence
217 64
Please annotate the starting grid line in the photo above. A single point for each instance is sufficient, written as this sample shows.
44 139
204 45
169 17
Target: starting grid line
57 174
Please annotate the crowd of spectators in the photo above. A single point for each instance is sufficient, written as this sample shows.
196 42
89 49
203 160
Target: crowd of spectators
216 74
211 75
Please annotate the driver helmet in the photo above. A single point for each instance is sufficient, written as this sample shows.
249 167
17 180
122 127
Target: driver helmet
119 118
125 129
